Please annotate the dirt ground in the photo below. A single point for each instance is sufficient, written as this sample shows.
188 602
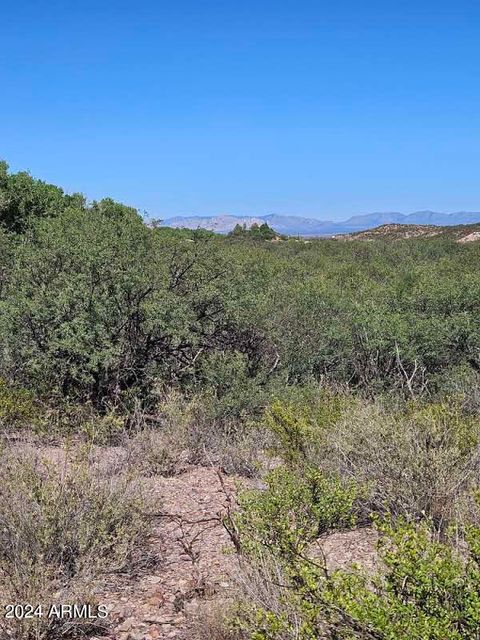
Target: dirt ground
195 572
198 569
195 567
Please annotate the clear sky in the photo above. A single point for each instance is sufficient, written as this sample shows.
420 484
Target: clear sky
318 108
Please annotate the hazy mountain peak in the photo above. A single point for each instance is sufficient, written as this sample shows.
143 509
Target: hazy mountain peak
297 225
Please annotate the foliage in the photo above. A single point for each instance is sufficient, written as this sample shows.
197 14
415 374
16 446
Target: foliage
17 407
294 511
413 459
355 363
425 591
99 308
420 460
417 465
95 305
255 232
23 199
424 588
199 430
301 429
63 526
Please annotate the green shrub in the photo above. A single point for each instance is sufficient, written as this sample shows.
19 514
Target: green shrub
412 459
302 425
424 589
18 407
103 429
66 419
280 530
294 510
418 464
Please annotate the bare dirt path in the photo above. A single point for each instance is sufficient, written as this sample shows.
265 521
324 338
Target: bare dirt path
195 566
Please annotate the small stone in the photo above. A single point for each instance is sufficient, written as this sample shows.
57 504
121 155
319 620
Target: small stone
126 625
163 619
156 601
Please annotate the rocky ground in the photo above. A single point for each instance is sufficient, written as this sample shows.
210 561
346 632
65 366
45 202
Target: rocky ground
194 571
198 570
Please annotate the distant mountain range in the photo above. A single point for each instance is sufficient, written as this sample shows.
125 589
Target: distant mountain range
297 226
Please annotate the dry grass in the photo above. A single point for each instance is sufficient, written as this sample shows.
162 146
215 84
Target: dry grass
214 622
261 584
186 432
63 527
155 452
424 462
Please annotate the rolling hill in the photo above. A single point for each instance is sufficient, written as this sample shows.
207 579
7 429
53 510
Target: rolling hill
461 233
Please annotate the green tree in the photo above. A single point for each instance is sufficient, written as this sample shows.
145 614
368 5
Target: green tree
23 198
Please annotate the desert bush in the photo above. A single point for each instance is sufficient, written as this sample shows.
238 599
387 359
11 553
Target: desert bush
23 199
294 510
420 461
58 421
214 623
96 306
18 407
201 433
425 590
413 459
302 424
264 610
153 452
462 384
232 387
63 526
103 429
278 533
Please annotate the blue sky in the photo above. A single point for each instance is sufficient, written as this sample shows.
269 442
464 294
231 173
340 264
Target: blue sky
323 109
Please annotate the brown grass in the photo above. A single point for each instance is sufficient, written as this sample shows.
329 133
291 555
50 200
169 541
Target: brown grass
63 527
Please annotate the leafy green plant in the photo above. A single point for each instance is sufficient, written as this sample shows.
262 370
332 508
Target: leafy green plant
424 589
18 407
295 510
300 428
103 429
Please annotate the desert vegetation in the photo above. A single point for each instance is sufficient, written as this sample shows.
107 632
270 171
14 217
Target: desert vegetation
339 380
